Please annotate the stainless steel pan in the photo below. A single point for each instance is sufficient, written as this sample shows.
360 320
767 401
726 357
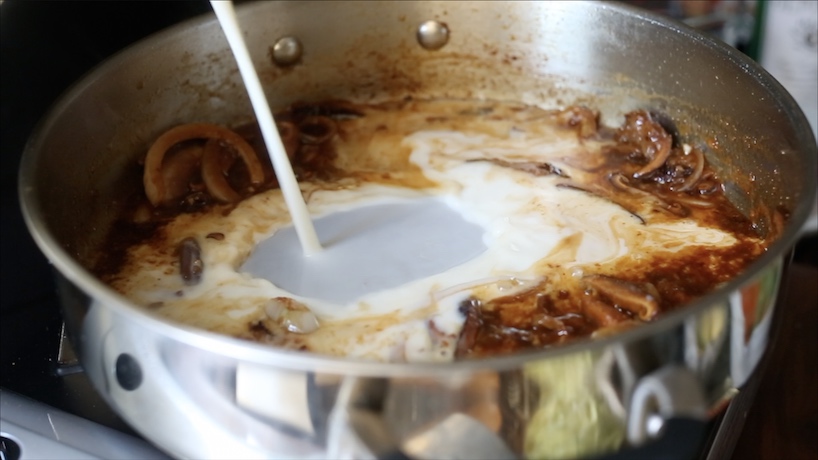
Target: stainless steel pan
197 394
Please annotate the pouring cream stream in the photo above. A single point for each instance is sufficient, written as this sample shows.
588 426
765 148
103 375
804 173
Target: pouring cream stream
226 15
371 232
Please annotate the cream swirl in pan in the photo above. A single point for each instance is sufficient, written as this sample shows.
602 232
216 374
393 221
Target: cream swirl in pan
581 229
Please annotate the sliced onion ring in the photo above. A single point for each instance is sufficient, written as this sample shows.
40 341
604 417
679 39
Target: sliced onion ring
600 313
658 159
152 178
627 295
697 171
317 129
214 172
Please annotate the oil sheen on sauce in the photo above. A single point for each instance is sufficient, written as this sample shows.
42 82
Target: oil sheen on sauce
542 235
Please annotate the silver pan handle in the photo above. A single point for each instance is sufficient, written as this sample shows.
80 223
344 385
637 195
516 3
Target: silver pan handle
670 392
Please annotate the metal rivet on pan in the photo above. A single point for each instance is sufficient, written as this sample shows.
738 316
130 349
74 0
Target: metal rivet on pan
286 51
433 35
128 372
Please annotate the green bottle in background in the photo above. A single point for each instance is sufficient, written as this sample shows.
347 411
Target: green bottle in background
755 43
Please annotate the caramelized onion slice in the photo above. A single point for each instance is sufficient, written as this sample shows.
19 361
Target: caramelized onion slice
292 315
660 151
600 313
698 169
620 182
626 295
152 178
214 173
317 129
643 132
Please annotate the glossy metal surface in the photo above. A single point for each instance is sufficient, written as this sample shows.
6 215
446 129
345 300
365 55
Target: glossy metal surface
198 395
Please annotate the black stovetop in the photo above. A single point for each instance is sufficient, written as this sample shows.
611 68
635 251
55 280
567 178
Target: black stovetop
47 46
